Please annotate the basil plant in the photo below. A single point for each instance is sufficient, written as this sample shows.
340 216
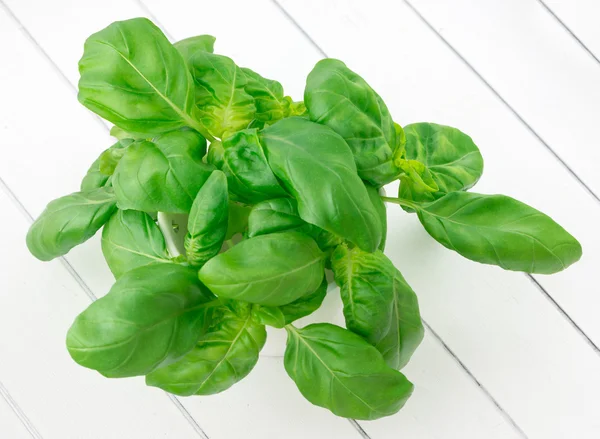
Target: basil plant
271 194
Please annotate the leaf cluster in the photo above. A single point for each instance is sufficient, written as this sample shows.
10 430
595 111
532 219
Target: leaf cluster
270 194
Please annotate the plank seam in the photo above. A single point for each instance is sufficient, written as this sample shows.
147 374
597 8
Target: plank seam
569 31
486 392
19 412
559 308
66 264
483 389
504 101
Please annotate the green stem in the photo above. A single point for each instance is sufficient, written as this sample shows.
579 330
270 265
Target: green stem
401 202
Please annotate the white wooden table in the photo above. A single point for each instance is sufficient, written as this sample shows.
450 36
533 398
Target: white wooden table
505 355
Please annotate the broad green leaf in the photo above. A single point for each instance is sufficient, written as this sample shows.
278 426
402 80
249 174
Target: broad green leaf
215 154
164 175
316 167
132 76
281 214
69 221
379 206
450 156
499 230
271 270
272 216
268 315
224 105
94 179
151 316
110 158
238 219
271 104
336 369
279 316
222 357
248 173
339 98
207 223
132 239
378 303
188 47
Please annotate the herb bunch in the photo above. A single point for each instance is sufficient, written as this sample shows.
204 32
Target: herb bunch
287 192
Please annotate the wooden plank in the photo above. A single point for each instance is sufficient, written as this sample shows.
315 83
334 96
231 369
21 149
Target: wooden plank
62 399
498 323
10 425
529 59
463 410
581 17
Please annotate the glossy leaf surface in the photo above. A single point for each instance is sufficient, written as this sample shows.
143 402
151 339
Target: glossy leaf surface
222 357
279 316
339 98
248 173
378 303
272 216
93 179
336 369
152 316
200 43
316 167
132 239
207 223
499 230
224 105
273 269
449 156
271 104
164 175
69 221
132 76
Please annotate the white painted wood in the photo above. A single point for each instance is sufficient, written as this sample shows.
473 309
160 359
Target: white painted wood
10 425
460 413
541 70
509 335
581 16
63 400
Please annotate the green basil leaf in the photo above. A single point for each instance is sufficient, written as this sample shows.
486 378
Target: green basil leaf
164 175
268 315
305 305
297 108
224 105
336 369
110 158
499 230
238 219
381 210
339 98
417 181
188 47
248 173
272 216
215 155
269 270
94 179
378 303
316 167
151 316
271 104
69 221
222 357
451 157
207 223
121 134
132 239
132 76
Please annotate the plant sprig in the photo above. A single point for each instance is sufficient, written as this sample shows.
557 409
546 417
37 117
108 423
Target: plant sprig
285 192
